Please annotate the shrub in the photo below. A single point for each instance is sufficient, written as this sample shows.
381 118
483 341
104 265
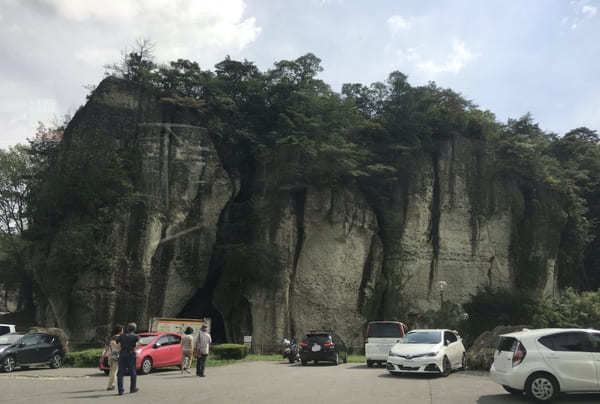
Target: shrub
230 351
83 359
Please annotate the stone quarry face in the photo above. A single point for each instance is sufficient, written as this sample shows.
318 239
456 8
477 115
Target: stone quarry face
345 258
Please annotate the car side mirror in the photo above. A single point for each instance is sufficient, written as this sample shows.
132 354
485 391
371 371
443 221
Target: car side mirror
157 345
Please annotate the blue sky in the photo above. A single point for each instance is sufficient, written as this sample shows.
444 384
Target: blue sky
511 56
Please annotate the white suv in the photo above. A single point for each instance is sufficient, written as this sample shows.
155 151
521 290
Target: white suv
544 362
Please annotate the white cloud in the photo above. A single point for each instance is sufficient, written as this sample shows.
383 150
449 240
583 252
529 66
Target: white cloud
397 23
182 28
455 62
589 11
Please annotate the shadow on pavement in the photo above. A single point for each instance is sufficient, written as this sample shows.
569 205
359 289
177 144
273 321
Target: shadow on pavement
564 399
365 367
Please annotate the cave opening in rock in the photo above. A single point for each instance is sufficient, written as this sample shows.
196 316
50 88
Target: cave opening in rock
200 306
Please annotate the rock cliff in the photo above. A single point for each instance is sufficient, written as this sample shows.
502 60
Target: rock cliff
323 256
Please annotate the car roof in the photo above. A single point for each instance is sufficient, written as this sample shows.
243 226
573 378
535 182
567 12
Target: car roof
539 332
430 330
155 334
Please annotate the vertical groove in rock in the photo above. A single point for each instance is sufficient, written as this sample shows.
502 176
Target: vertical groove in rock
366 274
434 234
299 206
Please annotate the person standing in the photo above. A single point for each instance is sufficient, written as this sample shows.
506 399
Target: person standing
113 356
203 342
127 356
187 349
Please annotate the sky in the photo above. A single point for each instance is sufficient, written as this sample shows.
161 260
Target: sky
508 56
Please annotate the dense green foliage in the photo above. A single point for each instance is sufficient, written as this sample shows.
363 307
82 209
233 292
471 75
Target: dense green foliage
230 351
490 308
88 358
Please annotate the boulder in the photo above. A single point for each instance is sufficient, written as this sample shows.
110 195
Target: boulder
481 354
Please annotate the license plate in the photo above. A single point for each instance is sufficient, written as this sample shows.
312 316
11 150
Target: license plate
316 348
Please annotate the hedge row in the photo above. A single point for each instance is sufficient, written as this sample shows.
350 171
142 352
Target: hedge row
230 351
83 359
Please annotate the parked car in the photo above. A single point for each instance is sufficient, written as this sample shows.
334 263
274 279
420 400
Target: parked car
157 350
324 346
542 363
7 328
427 351
24 350
381 336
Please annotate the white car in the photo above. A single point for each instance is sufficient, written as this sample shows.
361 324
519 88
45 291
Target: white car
427 351
381 337
544 362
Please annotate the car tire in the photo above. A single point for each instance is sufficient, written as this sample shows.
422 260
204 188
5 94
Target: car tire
336 361
446 367
9 364
56 361
346 358
541 387
463 362
369 364
291 359
303 363
146 366
515 392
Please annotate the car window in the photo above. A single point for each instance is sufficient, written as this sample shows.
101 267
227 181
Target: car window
4 329
595 341
164 340
507 344
450 337
317 338
146 339
29 340
567 342
385 330
422 337
174 339
46 339
9 339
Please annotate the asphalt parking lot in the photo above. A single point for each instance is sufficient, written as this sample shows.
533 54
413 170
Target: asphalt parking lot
262 382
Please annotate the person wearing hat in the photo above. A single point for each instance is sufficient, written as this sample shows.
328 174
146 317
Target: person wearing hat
203 342
187 349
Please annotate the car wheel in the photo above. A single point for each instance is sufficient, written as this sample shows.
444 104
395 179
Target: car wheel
446 367
369 364
106 372
346 358
541 387
337 359
463 362
56 361
316 362
291 359
303 362
516 392
146 366
9 364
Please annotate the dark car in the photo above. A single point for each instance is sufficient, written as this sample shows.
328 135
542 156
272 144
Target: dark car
323 346
30 349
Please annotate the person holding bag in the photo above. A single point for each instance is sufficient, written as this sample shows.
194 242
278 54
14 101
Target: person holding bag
113 356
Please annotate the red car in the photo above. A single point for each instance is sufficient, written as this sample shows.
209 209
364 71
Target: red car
158 350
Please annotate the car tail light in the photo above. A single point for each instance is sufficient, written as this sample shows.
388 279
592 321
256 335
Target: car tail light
304 345
519 355
329 345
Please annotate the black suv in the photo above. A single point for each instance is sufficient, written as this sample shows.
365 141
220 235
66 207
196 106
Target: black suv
323 346
29 349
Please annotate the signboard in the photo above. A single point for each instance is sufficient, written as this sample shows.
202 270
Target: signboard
178 325
248 340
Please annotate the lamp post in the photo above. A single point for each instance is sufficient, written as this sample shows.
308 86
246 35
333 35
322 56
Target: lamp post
442 286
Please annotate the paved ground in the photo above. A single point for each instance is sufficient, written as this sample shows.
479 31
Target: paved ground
262 382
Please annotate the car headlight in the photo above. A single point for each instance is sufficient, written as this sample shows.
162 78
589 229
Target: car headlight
138 351
431 354
394 353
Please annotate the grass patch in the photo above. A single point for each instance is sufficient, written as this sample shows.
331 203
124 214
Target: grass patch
356 359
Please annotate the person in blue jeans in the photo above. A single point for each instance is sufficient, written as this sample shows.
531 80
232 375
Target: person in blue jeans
127 357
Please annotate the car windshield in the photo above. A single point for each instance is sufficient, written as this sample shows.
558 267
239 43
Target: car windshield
423 337
384 330
317 338
9 339
146 339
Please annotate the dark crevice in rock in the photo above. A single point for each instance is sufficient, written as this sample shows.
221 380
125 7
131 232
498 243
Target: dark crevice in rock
490 270
435 209
299 200
366 273
452 172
